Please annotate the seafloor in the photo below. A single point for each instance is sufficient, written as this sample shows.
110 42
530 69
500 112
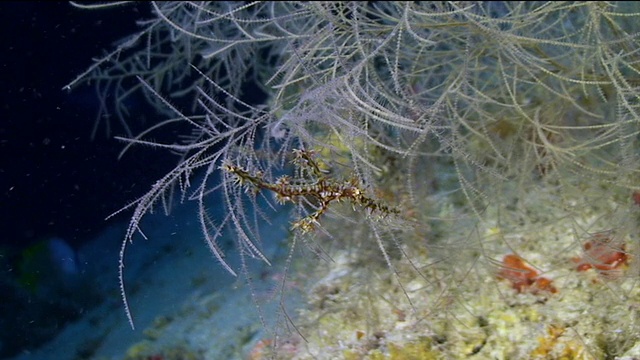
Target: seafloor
449 293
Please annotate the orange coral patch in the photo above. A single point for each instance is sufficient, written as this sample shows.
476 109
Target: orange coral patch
603 254
523 277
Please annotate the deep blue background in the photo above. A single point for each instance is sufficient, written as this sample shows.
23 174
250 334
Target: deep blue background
54 179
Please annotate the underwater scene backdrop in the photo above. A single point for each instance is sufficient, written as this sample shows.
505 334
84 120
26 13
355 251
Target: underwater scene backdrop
329 180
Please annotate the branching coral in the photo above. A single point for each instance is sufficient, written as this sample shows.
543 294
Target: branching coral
479 104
